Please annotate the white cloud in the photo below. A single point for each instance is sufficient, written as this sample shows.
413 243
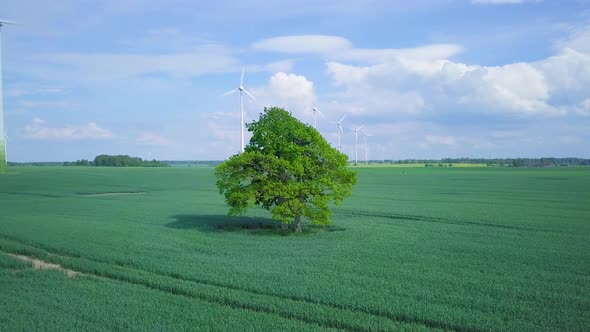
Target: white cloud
37 130
293 92
555 86
339 48
568 74
579 39
319 44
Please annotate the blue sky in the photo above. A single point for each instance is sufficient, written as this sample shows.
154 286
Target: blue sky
428 79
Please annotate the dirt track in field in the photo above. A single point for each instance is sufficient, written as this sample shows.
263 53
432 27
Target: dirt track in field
42 265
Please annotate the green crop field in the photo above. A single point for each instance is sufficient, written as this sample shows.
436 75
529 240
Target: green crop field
414 248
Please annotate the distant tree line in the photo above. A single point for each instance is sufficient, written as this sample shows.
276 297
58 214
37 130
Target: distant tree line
36 163
189 163
510 162
117 161
506 162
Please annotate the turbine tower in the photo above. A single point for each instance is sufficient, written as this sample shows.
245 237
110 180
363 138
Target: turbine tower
356 144
3 159
315 115
242 90
365 142
339 124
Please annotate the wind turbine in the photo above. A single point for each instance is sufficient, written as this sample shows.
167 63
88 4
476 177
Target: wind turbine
356 144
339 124
242 90
315 121
3 159
5 138
365 142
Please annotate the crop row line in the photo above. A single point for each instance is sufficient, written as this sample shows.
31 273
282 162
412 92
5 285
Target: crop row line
216 298
398 318
434 220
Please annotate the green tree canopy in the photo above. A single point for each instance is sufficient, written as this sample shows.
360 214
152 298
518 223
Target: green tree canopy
287 168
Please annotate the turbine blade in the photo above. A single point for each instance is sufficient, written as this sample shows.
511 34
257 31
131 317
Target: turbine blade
230 92
242 78
359 128
342 118
249 95
333 122
320 113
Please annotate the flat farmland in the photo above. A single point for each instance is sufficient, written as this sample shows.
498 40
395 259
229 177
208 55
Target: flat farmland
478 249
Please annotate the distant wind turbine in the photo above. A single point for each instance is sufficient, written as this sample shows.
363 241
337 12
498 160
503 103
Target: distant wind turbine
365 142
3 158
315 120
5 138
356 144
339 124
242 90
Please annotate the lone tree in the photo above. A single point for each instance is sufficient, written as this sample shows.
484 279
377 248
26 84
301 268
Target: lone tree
287 168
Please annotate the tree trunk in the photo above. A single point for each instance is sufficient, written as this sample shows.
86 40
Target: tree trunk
298 223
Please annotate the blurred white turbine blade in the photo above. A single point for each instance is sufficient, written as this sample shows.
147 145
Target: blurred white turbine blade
7 22
242 77
342 118
230 92
249 95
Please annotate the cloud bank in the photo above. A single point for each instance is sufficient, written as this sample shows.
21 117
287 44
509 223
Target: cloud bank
38 130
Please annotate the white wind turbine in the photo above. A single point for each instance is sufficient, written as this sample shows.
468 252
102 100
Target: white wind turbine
315 115
339 124
3 159
365 142
242 90
356 144
5 138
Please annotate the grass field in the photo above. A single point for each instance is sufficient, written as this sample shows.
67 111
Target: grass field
417 248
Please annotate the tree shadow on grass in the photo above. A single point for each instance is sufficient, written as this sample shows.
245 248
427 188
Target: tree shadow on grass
242 224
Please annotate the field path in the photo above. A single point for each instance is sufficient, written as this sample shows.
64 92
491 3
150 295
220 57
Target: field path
43 265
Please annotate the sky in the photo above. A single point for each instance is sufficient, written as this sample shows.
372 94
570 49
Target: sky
426 79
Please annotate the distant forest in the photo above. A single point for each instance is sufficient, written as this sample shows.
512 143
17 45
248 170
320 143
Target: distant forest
510 162
127 161
117 161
